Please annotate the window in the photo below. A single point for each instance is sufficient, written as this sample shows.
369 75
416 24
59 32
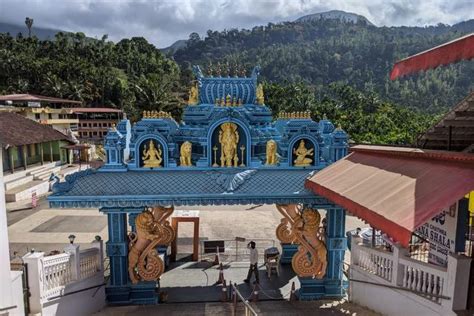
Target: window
94 133
50 116
37 116
95 124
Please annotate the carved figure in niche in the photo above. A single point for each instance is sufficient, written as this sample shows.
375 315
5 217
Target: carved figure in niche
185 154
193 95
301 152
152 229
311 257
272 155
229 139
152 157
259 94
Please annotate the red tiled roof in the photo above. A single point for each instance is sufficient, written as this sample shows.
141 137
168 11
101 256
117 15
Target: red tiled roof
96 110
396 190
16 130
34 98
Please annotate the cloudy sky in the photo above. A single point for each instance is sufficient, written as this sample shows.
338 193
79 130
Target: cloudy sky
163 22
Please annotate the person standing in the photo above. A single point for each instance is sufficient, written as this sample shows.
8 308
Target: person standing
253 263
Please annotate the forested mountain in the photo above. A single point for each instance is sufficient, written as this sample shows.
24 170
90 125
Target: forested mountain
333 69
324 51
39 32
335 15
131 74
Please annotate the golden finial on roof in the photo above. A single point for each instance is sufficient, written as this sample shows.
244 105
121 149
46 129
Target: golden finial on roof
193 95
260 95
217 101
218 69
228 100
243 71
209 69
227 68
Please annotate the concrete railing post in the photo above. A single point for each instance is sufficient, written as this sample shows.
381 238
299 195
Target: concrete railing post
99 244
355 253
34 262
397 269
457 282
75 260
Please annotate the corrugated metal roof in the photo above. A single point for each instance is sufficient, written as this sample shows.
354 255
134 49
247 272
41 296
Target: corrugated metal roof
16 130
34 98
394 189
95 110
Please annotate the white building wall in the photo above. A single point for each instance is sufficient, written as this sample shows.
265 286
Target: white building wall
10 293
389 301
81 303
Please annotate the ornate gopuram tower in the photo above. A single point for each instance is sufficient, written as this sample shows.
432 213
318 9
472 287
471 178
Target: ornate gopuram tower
229 148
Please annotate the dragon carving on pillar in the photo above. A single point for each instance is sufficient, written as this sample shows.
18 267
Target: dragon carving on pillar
311 258
152 229
284 231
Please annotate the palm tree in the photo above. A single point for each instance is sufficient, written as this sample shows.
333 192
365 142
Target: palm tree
29 25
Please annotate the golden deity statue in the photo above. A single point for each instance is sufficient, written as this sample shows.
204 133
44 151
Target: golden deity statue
185 154
229 139
259 94
193 95
152 156
272 155
301 152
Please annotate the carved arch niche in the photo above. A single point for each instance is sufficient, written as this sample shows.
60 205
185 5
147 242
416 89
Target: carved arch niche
228 146
304 153
151 153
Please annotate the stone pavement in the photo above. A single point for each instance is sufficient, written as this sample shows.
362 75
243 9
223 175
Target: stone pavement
263 308
48 229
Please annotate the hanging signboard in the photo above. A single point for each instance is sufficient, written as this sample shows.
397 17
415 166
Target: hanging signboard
440 231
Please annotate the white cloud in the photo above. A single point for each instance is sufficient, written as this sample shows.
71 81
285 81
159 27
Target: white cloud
163 22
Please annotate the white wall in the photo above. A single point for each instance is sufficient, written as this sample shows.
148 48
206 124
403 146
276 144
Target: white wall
390 301
81 303
9 294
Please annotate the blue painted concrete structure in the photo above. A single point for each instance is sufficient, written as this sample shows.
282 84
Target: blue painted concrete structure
123 186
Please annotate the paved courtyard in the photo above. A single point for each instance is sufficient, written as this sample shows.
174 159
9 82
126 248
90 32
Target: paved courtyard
46 229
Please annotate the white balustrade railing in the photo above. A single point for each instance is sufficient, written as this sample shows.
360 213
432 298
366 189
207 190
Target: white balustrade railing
426 279
441 286
56 274
49 276
378 262
89 263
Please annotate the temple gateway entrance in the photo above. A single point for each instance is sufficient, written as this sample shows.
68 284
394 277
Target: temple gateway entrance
228 150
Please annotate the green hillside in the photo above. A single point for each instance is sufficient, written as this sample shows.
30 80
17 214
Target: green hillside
323 51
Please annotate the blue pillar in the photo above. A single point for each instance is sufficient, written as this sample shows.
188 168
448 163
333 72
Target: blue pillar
336 246
118 290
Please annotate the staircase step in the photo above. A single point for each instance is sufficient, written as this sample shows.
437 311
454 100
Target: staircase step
45 174
23 192
8 177
17 182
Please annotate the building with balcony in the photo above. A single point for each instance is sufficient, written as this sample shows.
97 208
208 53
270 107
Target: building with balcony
93 123
44 110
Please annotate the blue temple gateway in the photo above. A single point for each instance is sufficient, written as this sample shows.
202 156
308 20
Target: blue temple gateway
228 149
